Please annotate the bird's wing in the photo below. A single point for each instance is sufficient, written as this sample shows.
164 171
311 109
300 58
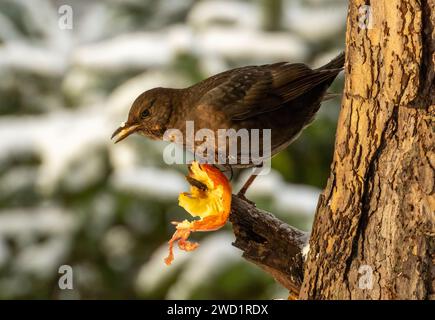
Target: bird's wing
255 90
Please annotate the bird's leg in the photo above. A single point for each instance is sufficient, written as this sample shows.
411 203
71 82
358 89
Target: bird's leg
248 183
241 193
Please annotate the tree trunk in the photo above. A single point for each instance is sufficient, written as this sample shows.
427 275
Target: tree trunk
373 233
374 230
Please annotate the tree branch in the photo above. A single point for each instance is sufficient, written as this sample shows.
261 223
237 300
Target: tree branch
270 243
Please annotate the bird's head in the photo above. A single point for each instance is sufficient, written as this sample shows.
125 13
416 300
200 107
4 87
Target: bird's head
149 115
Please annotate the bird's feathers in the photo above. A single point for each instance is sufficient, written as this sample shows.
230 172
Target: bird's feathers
249 91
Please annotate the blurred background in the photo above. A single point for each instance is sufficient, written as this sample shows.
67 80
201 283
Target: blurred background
69 196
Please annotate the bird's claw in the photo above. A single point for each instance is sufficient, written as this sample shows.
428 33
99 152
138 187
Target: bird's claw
241 196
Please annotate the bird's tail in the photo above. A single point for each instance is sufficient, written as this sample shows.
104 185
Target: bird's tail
336 63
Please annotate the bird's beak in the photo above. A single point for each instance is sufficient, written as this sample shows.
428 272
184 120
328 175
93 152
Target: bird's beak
124 131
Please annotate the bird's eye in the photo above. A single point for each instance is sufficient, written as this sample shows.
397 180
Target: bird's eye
145 114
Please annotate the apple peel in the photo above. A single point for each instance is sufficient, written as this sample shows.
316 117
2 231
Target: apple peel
209 199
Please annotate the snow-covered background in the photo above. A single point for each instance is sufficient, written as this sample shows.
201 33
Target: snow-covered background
69 196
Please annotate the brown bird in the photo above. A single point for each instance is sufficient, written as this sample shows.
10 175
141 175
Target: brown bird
281 96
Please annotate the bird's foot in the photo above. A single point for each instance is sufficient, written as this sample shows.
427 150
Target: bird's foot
241 196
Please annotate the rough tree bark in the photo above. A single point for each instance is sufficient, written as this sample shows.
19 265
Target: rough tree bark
269 243
374 230
376 214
